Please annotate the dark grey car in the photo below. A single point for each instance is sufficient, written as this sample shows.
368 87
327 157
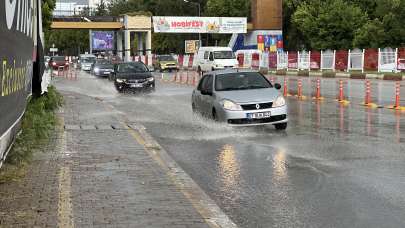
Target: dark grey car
134 76
103 69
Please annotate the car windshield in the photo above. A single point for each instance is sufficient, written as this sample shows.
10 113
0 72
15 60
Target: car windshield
166 58
59 58
87 60
105 66
102 61
224 55
132 68
241 81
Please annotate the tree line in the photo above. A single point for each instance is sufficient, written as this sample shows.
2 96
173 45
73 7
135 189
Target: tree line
307 24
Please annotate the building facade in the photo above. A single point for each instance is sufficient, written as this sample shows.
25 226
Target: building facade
76 7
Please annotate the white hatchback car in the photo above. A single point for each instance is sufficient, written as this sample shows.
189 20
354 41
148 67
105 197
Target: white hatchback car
240 97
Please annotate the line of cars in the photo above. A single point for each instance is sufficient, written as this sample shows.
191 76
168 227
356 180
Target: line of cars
225 93
127 76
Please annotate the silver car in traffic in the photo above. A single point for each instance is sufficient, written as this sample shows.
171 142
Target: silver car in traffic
240 97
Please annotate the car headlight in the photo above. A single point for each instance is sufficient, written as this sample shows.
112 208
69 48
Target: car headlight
280 101
96 70
121 80
151 79
230 105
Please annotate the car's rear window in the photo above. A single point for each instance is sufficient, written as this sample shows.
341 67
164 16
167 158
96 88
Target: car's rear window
58 58
166 58
241 81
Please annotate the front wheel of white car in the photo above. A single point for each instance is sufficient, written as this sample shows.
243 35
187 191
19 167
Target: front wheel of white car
281 126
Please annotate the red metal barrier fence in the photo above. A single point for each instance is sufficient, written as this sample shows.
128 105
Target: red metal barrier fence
190 61
341 60
180 60
273 60
371 59
293 60
315 60
401 59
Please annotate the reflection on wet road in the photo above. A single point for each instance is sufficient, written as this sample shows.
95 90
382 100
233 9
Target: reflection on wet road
335 166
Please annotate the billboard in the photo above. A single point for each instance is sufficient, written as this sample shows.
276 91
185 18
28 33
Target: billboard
18 56
222 25
270 43
102 40
191 46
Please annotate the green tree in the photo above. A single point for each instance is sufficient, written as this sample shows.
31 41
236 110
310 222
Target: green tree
329 24
387 29
47 9
69 42
101 9
228 8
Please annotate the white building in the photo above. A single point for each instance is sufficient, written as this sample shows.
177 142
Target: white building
74 7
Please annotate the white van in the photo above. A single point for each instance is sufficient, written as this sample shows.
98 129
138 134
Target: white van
215 58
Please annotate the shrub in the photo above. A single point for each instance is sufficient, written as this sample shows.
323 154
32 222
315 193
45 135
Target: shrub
37 125
303 73
281 72
329 74
393 76
357 75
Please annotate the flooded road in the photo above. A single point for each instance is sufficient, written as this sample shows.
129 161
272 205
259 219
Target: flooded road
334 166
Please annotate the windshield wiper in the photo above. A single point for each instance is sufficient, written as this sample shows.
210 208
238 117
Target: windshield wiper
258 87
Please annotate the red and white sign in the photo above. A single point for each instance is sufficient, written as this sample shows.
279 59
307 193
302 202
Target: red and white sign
200 25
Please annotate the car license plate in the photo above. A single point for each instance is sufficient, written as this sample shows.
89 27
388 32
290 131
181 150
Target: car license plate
258 115
106 72
138 85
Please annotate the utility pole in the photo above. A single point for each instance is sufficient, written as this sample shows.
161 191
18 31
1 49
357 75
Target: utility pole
199 15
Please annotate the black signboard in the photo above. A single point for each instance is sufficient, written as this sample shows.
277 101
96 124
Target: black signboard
17 58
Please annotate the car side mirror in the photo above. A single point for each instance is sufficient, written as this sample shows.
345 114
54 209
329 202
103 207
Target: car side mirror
277 86
151 69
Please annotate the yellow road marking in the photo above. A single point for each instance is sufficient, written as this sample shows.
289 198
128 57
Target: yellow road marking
65 212
65 209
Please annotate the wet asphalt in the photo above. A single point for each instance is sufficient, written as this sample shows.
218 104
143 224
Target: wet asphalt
335 166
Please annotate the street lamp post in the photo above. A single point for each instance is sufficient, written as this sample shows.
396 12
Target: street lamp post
199 15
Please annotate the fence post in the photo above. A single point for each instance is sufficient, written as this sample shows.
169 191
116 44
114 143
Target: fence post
298 60
334 60
396 60
277 60
362 61
321 67
309 60
287 60
349 61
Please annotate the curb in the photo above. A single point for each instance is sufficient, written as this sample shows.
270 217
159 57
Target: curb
208 209
338 75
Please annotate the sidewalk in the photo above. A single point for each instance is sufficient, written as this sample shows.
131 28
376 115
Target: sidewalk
95 174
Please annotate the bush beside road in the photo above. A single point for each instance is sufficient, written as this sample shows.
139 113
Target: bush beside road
37 125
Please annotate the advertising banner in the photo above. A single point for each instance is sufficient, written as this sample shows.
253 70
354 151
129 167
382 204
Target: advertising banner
223 25
102 40
191 46
16 67
270 43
